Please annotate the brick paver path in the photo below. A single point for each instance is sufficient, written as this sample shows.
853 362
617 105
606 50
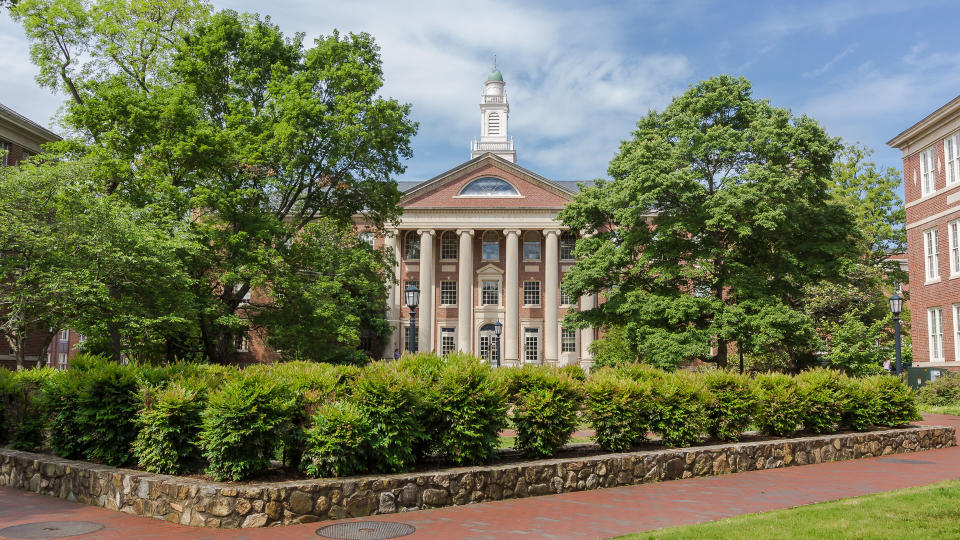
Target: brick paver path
586 514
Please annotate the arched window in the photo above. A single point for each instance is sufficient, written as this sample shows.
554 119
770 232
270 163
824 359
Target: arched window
411 246
489 186
567 243
531 246
491 246
493 124
448 246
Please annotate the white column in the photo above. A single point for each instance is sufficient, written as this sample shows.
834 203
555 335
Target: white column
427 263
551 296
511 330
587 302
394 295
465 291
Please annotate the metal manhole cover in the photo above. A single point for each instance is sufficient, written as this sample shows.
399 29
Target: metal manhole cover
908 461
50 529
366 530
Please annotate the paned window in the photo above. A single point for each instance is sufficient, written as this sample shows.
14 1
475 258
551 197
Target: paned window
367 238
567 243
411 246
486 342
448 341
64 335
491 246
242 342
406 339
568 340
953 228
531 293
448 293
489 186
62 360
565 299
935 325
928 171
956 332
951 158
4 154
490 293
931 251
531 345
448 246
531 246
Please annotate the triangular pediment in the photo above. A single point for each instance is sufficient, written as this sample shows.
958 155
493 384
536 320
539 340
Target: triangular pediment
489 269
446 190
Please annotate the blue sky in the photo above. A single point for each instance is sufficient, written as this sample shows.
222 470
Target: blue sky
579 74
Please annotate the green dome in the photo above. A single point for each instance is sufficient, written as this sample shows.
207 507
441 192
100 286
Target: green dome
495 76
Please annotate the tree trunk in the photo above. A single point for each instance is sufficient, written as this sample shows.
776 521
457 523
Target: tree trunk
721 353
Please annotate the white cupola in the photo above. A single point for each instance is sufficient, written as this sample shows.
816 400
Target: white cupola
494 120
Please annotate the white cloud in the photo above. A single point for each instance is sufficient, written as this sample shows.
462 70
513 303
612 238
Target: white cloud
830 63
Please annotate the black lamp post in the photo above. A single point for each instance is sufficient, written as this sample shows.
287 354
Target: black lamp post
412 293
896 306
498 329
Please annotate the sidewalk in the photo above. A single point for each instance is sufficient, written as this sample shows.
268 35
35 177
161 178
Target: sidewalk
587 514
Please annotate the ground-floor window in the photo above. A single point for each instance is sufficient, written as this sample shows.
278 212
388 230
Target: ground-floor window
448 341
531 345
488 344
62 360
406 339
935 325
568 340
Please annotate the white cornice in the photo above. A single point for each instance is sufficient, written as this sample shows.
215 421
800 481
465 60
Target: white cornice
927 130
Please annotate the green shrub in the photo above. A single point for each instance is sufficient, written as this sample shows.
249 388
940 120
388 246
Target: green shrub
681 401
897 402
426 369
545 406
640 372
620 410
62 402
7 386
822 391
389 400
471 409
944 391
575 372
23 408
339 441
243 425
732 406
169 423
107 407
861 404
781 406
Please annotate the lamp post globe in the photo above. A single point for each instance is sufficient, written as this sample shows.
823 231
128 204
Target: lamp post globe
412 296
896 306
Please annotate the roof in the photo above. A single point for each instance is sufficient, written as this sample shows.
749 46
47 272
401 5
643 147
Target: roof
572 186
495 75
27 124
928 122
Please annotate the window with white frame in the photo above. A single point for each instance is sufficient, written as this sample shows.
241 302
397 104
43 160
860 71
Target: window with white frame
567 243
928 171
4 154
935 327
568 340
951 158
565 299
531 246
62 360
531 293
242 342
65 335
953 229
411 246
406 339
531 345
367 238
956 332
448 293
490 293
486 346
448 246
490 249
931 251
448 341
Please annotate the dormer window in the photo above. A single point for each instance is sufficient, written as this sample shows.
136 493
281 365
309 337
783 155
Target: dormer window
488 186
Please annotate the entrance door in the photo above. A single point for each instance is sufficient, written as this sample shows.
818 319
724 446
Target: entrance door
488 344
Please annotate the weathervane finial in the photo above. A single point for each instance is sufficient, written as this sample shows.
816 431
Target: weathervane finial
494 60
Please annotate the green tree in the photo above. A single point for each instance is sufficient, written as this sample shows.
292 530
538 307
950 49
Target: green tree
243 135
717 216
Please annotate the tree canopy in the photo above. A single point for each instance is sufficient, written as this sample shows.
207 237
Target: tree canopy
717 216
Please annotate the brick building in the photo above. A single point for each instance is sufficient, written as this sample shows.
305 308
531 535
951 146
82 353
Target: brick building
21 138
931 178
483 244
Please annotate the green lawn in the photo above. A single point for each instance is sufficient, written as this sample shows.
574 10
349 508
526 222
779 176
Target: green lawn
508 442
945 409
925 512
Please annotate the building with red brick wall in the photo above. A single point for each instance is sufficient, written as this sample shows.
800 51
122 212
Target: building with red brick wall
931 178
483 244
21 138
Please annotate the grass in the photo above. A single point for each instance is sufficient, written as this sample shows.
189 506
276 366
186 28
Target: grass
509 441
941 409
923 512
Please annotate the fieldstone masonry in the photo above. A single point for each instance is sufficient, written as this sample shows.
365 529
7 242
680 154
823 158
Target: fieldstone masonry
209 504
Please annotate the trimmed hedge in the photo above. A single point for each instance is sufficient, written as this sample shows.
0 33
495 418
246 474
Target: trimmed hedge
388 417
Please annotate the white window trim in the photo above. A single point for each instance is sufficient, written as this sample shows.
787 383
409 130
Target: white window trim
523 291
445 331
456 246
926 174
956 333
935 339
955 137
953 235
931 261
456 294
499 302
539 333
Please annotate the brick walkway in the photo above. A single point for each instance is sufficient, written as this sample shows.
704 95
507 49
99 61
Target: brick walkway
588 514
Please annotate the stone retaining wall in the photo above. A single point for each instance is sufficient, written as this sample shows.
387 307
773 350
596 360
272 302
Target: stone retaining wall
211 504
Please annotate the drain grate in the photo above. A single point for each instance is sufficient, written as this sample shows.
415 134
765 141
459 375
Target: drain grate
50 529
366 530
907 461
